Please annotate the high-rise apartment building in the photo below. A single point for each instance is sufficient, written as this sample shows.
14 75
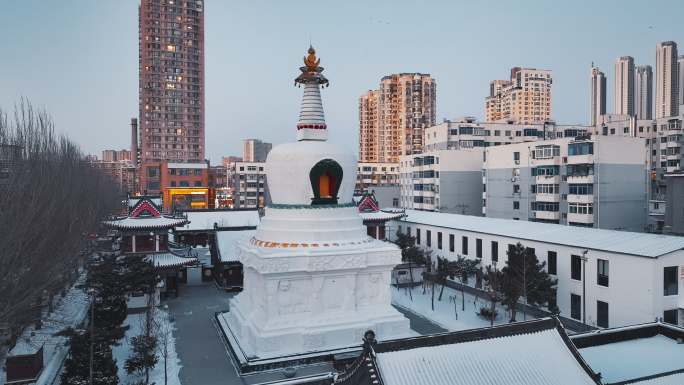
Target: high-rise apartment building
393 118
254 150
598 94
525 98
680 66
369 146
643 92
667 80
171 80
623 95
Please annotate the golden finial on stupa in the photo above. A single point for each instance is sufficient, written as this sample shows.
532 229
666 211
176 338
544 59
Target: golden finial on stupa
310 61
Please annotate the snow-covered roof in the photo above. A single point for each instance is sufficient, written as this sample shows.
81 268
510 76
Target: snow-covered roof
205 220
227 242
380 216
132 201
532 353
646 354
639 244
170 260
145 223
671 379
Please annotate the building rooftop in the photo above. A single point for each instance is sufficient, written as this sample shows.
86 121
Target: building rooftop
623 242
641 354
530 353
145 222
227 243
206 219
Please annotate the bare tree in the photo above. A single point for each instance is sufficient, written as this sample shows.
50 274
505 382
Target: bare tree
164 339
51 200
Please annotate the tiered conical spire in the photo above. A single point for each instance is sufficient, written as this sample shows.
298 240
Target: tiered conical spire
311 125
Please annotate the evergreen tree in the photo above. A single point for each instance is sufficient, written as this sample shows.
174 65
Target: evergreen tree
105 280
525 276
77 365
144 354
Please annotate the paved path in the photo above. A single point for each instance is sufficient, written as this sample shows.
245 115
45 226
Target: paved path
201 351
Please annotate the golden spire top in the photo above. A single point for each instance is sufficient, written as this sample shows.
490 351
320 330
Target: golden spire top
310 61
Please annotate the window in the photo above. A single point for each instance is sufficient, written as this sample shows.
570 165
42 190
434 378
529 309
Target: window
198 183
464 245
581 208
670 280
478 248
581 189
670 316
545 152
516 156
584 148
602 272
551 262
451 242
602 314
439 240
495 251
546 188
576 267
516 205
516 189
575 306
428 238
418 236
395 202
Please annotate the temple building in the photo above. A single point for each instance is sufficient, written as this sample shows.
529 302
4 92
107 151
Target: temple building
314 281
145 230
374 218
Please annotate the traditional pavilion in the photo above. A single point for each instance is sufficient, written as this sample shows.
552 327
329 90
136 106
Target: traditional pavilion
314 281
145 230
374 218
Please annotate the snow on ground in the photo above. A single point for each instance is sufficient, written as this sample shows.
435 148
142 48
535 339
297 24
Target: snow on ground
123 350
447 314
631 359
69 311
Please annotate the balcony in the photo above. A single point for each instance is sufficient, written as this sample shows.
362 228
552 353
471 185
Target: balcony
552 161
541 197
581 218
574 198
547 179
547 215
580 178
580 159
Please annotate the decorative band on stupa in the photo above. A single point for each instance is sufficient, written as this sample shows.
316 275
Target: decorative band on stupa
311 124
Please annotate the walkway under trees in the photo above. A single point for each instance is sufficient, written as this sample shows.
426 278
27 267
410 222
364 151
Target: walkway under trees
51 199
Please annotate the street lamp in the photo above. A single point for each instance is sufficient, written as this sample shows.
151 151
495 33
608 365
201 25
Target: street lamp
584 286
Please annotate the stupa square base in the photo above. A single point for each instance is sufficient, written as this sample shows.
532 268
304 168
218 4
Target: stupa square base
321 335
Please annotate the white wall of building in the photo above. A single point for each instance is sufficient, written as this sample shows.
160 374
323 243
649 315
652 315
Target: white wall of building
635 286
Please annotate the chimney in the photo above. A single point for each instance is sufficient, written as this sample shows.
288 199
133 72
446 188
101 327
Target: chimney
134 141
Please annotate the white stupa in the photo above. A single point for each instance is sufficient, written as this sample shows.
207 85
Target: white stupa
314 280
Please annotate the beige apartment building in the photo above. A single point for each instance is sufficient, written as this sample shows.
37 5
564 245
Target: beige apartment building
392 118
524 99
368 126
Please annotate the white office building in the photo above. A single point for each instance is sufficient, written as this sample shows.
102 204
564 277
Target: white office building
606 278
446 180
590 181
466 133
247 182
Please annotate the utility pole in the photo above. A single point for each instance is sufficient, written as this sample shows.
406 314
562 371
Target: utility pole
92 336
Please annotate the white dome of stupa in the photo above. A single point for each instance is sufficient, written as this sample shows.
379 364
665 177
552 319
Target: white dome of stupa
311 181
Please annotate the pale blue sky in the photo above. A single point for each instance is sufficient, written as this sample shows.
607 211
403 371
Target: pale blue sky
79 59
